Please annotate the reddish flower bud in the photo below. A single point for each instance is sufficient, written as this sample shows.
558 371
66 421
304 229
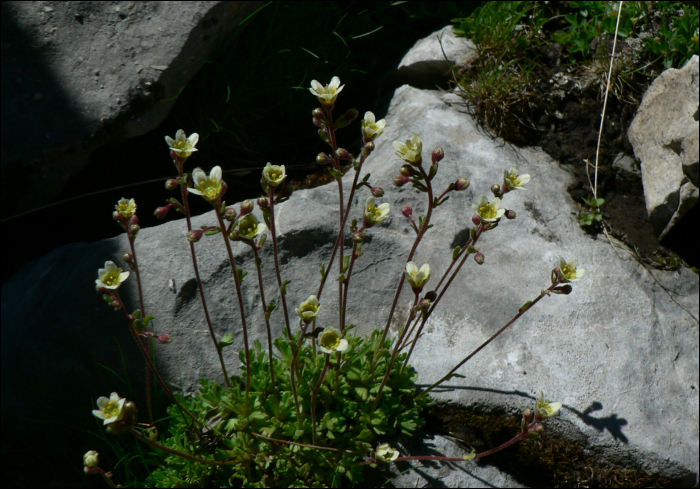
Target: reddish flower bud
369 147
495 188
263 203
161 212
164 338
318 113
246 207
461 184
377 191
476 219
116 216
509 214
400 180
424 304
479 258
195 235
407 210
343 154
127 257
230 214
323 159
171 184
134 220
438 154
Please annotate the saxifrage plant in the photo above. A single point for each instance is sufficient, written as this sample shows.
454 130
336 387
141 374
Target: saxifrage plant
313 407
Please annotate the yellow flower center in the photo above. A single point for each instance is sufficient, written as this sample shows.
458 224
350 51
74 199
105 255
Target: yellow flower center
330 340
252 229
211 192
111 410
309 308
487 212
569 271
111 278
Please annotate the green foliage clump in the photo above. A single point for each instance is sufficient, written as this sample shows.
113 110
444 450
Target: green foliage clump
527 43
347 422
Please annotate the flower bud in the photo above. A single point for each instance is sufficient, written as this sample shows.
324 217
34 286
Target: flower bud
425 304
263 203
134 220
195 235
343 154
127 257
461 184
230 214
134 229
476 219
510 214
170 184
400 180
358 237
116 216
377 191
161 212
479 258
246 207
323 159
527 415
407 210
318 113
438 155
165 338
564 289
495 188
369 146
538 428
408 171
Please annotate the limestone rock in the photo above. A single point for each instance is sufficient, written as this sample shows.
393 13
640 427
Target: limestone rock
621 351
664 135
78 75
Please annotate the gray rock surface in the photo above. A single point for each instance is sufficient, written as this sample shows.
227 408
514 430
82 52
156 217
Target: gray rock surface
664 134
77 75
621 352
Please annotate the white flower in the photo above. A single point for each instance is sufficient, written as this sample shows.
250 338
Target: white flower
308 310
208 187
488 211
111 276
331 340
327 95
111 409
375 214
386 454
417 278
569 272
126 208
250 227
546 409
274 175
182 145
370 128
91 459
513 180
410 151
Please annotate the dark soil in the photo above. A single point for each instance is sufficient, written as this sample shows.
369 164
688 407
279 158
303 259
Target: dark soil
564 120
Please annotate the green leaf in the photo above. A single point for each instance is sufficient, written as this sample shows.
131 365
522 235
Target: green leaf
337 174
525 306
455 252
227 340
283 288
241 274
212 232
